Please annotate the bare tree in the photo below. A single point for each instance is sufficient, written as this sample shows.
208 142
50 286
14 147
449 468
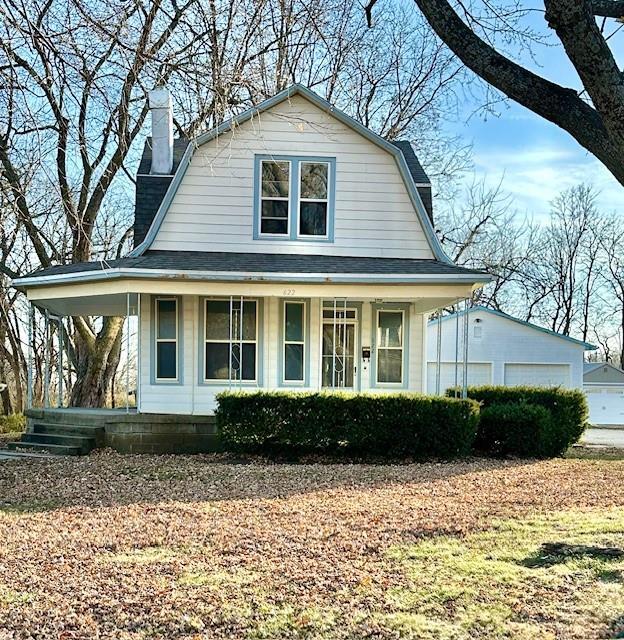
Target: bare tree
484 233
73 82
612 242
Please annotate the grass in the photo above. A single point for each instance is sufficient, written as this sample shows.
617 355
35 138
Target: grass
498 584
579 452
192 548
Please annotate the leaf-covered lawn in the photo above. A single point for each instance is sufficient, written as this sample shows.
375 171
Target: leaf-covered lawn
131 547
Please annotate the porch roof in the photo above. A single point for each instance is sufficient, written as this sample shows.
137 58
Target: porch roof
225 266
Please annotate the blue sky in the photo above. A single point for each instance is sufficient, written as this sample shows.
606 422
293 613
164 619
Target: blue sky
534 158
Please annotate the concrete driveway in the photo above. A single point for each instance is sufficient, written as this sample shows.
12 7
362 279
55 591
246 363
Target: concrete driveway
604 437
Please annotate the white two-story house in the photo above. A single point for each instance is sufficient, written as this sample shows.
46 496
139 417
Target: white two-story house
289 248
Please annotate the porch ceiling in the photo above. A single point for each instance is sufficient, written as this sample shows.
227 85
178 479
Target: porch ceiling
111 298
111 304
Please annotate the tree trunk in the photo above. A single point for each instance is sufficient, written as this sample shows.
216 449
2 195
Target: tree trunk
97 359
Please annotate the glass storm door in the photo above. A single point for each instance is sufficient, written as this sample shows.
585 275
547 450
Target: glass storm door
339 348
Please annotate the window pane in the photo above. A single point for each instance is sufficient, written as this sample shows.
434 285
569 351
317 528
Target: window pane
166 310
390 329
313 219
217 360
340 313
217 319
294 322
248 363
389 365
249 320
274 226
293 362
275 209
166 354
314 180
275 179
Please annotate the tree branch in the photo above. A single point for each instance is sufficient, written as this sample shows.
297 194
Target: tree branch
559 105
608 8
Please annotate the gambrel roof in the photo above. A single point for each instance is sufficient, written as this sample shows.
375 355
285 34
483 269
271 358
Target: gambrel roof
407 163
151 189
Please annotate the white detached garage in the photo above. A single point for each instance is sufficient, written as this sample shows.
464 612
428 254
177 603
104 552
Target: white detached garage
502 350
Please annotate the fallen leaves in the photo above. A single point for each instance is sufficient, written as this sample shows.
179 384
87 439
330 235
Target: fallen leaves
130 547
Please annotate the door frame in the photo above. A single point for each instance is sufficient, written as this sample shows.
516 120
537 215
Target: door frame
351 306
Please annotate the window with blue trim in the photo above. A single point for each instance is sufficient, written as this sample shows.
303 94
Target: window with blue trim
294 342
166 338
294 198
390 346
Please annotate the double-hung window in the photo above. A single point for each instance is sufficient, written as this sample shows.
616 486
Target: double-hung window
166 347
295 198
390 338
230 340
294 343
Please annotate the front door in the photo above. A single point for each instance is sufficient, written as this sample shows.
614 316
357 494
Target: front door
339 348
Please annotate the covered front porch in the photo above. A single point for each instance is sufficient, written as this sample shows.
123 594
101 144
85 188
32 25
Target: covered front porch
189 334
187 341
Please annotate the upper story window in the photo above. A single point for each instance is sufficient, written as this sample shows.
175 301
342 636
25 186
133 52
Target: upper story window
294 198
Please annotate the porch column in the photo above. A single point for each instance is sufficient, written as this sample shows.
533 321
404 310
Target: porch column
455 386
29 372
465 380
438 353
46 362
59 363
127 323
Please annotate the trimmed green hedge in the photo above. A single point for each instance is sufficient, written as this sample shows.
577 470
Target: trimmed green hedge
348 423
567 413
515 428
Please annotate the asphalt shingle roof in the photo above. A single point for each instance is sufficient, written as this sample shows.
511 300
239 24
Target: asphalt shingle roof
264 263
150 190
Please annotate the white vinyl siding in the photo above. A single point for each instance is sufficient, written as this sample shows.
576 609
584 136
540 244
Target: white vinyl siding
504 342
193 395
479 373
213 209
539 375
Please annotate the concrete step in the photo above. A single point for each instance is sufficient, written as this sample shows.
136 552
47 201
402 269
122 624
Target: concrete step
84 442
5 454
54 449
86 430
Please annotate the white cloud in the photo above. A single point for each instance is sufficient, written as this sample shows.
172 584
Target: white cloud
536 174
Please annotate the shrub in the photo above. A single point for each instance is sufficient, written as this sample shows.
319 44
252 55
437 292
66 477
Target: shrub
12 423
334 423
567 410
513 429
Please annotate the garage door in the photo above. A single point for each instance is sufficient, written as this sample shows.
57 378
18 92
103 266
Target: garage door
606 405
479 373
540 375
